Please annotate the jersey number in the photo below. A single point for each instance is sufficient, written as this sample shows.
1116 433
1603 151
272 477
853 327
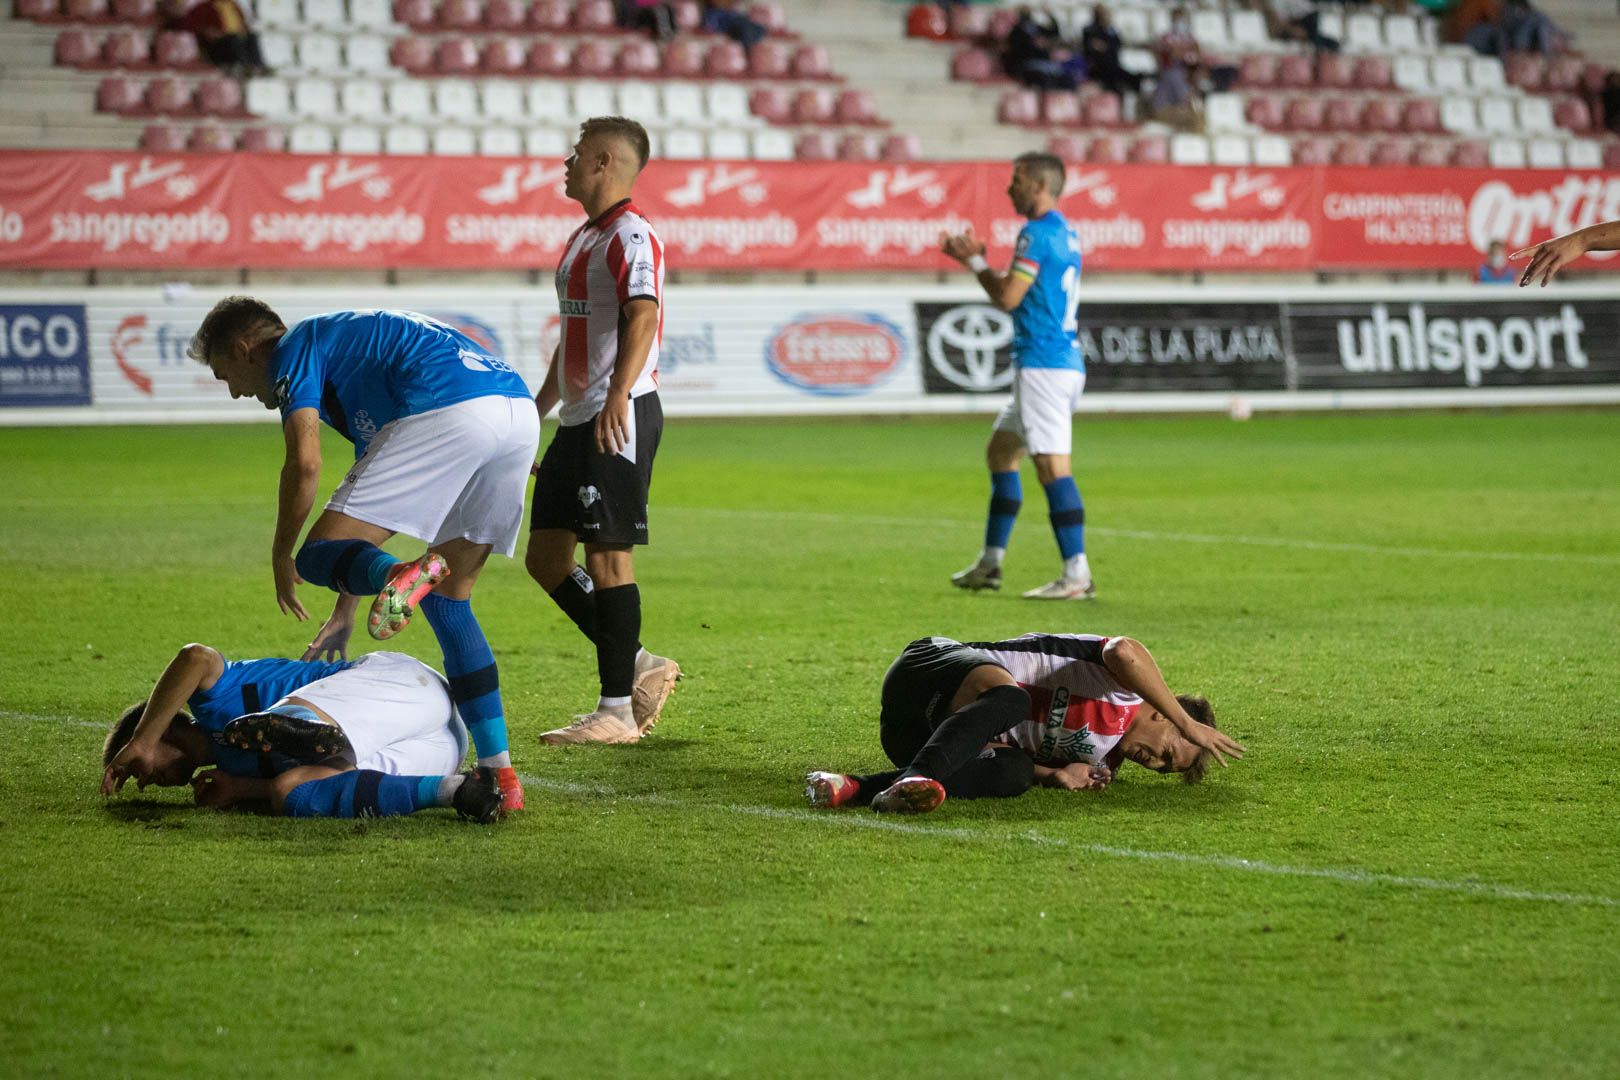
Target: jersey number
1071 300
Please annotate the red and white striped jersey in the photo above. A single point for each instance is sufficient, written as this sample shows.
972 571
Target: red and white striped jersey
1077 709
610 260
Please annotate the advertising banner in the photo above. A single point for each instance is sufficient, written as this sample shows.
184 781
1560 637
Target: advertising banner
104 210
44 355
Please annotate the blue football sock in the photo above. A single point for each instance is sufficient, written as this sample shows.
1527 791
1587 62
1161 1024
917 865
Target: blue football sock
475 686
1068 516
356 567
362 793
1006 496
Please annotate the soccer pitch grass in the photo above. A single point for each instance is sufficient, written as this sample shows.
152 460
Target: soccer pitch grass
1411 621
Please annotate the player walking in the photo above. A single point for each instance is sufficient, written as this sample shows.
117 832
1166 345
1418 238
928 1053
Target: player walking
593 480
1040 290
444 436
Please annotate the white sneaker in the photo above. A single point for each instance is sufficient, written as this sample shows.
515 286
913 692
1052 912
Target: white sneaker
602 726
655 680
1063 589
978 576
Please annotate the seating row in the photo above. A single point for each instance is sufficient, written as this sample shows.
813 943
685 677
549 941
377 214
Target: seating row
635 57
1275 151
546 16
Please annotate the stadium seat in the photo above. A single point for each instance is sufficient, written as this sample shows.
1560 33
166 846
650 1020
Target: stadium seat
359 139
816 146
1584 154
1102 110
310 139
973 65
365 53
772 146
1457 115
1401 34
162 139
37 10
1343 114
1571 113
1387 114
362 98
1527 71
1265 111
1374 73
262 141
548 102
1533 115
1421 115
459 15
76 48
320 53
219 97
684 60
1230 150
811 62
453 142
728 144
371 14
411 54
1432 154
416 14
546 143
1411 73
1563 75
500 142
268 97
1304 114
97 11
1313 151
1257 70
1110 149
1352 151
1485 75
1223 112
211 139
1272 151
968 22
688 16
1394 153
813 105
773 104
591 99
1544 154
277 13
1362 33
901 147
595 17
639 59
314 97
1209 27
1021 107
1496 115
126 49
170 97
639 99
456 56
1060 108
683 102
927 21
1295 72
548 16
860 146
405 139
726 60
769 15
1248 30
727 103
1335 71
1068 147
1448 75
1146 150
455 99
770 60
502 56
279 51
856 107
684 144
1507 154
1470 155
1594 76
549 58
501 100
1132 23
408 99
1189 150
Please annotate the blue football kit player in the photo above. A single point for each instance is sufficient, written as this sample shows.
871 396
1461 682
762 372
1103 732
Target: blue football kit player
444 436
371 737
1041 291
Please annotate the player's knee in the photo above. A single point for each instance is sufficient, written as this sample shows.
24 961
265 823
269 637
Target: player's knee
1009 698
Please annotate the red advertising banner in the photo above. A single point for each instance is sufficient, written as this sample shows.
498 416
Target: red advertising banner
89 209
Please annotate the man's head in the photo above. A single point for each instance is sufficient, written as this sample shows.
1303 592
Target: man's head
1037 182
1099 16
610 153
182 751
1496 254
235 340
1153 742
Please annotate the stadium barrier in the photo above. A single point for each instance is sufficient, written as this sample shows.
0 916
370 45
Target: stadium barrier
103 210
117 355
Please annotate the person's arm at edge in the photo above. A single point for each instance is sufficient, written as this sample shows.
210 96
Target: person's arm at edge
1006 291
1551 256
300 475
638 327
1129 661
1075 776
195 667
546 398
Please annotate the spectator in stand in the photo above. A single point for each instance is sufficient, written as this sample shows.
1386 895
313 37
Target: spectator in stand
1610 102
1296 20
722 17
1473 23
1495 269
1175 100
1524 29
657 18
1033 53
222 34
1100 45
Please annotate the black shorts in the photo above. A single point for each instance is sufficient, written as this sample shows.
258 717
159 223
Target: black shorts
917 692
600 498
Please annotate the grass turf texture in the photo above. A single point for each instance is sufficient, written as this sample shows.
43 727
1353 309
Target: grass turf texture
1414 636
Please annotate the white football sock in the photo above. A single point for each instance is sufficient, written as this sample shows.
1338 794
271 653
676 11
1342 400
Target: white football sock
990 558
1076 568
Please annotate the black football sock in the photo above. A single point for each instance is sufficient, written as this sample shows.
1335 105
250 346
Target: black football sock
1002 775
870 785
618 638
577 598
961 736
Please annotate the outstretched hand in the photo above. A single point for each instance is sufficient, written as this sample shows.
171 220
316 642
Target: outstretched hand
133 760
331 642
287 582
961 246
1215 741
1548 257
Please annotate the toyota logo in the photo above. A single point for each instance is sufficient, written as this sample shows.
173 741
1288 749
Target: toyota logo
963 343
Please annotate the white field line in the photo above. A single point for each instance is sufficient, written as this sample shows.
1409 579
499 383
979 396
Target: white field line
51 718
1170 537
864 820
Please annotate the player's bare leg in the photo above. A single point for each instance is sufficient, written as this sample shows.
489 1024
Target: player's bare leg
1002 455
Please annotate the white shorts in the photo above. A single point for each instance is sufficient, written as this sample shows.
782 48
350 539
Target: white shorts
456 473
1041 411
396 712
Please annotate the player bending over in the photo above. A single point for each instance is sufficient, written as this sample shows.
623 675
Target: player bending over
1041 291
1551 256
371 737
444 435
992 719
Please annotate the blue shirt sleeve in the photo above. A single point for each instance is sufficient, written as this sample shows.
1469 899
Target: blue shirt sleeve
297 369
1027 253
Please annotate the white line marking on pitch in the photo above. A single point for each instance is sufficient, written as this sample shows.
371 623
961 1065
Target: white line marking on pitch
1177 537
856 820
48 718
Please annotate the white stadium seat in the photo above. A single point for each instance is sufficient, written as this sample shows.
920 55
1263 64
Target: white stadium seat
1584 154
277 13
310 139
405 139
268 97
1545 154
314 97
683 103
326 14
359 139
640 99
277 50
1158 22
408 100
1224 112
1209 27
1330 24
455 99
362 98
366 53
1362 33
1485 75
591 99
1189 150
548 101
772 144
1401 34
500 142
728 144
728 104
1449 74
454 142
374 14
320 54
1132 24
1249 31
1457 115
501 99
1273 150
1230 150
1535 115
1507 154
684 144
1496 115
547 142
1412 74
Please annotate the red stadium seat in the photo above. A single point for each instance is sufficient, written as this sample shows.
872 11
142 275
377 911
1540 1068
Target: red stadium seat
1353 151
813 106
1342 114
860 146
1313 151
725 60
967 22
856 107
549 58
1421 115
169 97
1564 74
594 58
1258 69
263 140
769 16
595 17
502 56
76 48
927 21
135 12
639 59
1067 147
683 60
1001 23
220 97
1107 150
811 62
460 15
118 94
456 56
1335 71
1387 114
773 104
504 15
816 146
770 60
902 148
1294 72
1102 110
1527 71
211 139
1303 114
973 65
1060 108
550 16
163 139
1593 77
1572 113
1374 73
87 11
417 14
177 51
688 16
37 10
1470 155
412 54
1432 155
1150 150
1611 156
1392 152
127 49
1265 111
1019 107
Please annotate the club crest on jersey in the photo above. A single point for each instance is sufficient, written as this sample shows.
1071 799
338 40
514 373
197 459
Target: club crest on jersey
589 495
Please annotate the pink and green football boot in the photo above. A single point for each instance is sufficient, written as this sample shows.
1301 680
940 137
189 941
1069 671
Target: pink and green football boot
407 584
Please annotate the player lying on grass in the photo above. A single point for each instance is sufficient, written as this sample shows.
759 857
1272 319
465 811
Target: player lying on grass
992 719
371 737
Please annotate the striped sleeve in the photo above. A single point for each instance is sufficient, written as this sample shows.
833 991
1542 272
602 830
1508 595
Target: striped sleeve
633 257
1025 264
